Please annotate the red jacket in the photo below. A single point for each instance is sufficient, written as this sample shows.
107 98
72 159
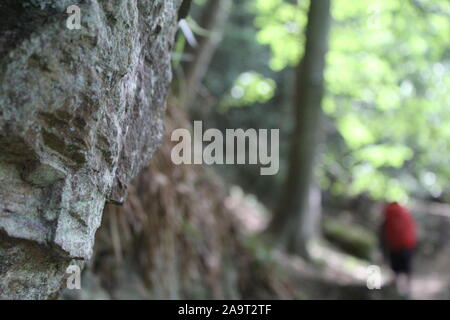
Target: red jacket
399 227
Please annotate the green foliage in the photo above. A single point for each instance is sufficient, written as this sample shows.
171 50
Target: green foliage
355 133
281 24
248 89
385 155
387 85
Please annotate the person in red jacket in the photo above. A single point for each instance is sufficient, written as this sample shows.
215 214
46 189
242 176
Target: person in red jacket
399 239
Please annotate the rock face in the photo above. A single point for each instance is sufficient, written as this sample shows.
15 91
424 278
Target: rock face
80 114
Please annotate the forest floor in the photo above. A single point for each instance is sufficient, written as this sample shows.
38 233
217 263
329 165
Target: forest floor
333 274
432 277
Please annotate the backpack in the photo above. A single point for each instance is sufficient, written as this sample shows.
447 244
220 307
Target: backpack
399 227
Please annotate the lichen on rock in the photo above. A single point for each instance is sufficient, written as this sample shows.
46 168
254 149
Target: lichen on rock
80 115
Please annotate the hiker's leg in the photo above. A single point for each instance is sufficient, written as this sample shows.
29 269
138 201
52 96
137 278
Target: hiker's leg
404 284
408 272
408 284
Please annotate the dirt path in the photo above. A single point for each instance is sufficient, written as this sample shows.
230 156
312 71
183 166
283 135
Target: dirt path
432 279
348 275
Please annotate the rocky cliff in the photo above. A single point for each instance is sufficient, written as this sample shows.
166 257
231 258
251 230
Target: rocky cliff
80 114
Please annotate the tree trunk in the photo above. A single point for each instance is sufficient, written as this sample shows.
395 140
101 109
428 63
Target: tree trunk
294 203
213 19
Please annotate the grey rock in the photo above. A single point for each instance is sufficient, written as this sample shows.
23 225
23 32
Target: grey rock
80 114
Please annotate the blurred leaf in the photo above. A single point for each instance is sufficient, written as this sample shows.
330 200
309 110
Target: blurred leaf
249 88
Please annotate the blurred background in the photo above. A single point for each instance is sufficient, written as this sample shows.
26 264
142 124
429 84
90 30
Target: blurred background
360 93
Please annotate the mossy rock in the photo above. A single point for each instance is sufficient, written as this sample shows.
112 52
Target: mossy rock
351 238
